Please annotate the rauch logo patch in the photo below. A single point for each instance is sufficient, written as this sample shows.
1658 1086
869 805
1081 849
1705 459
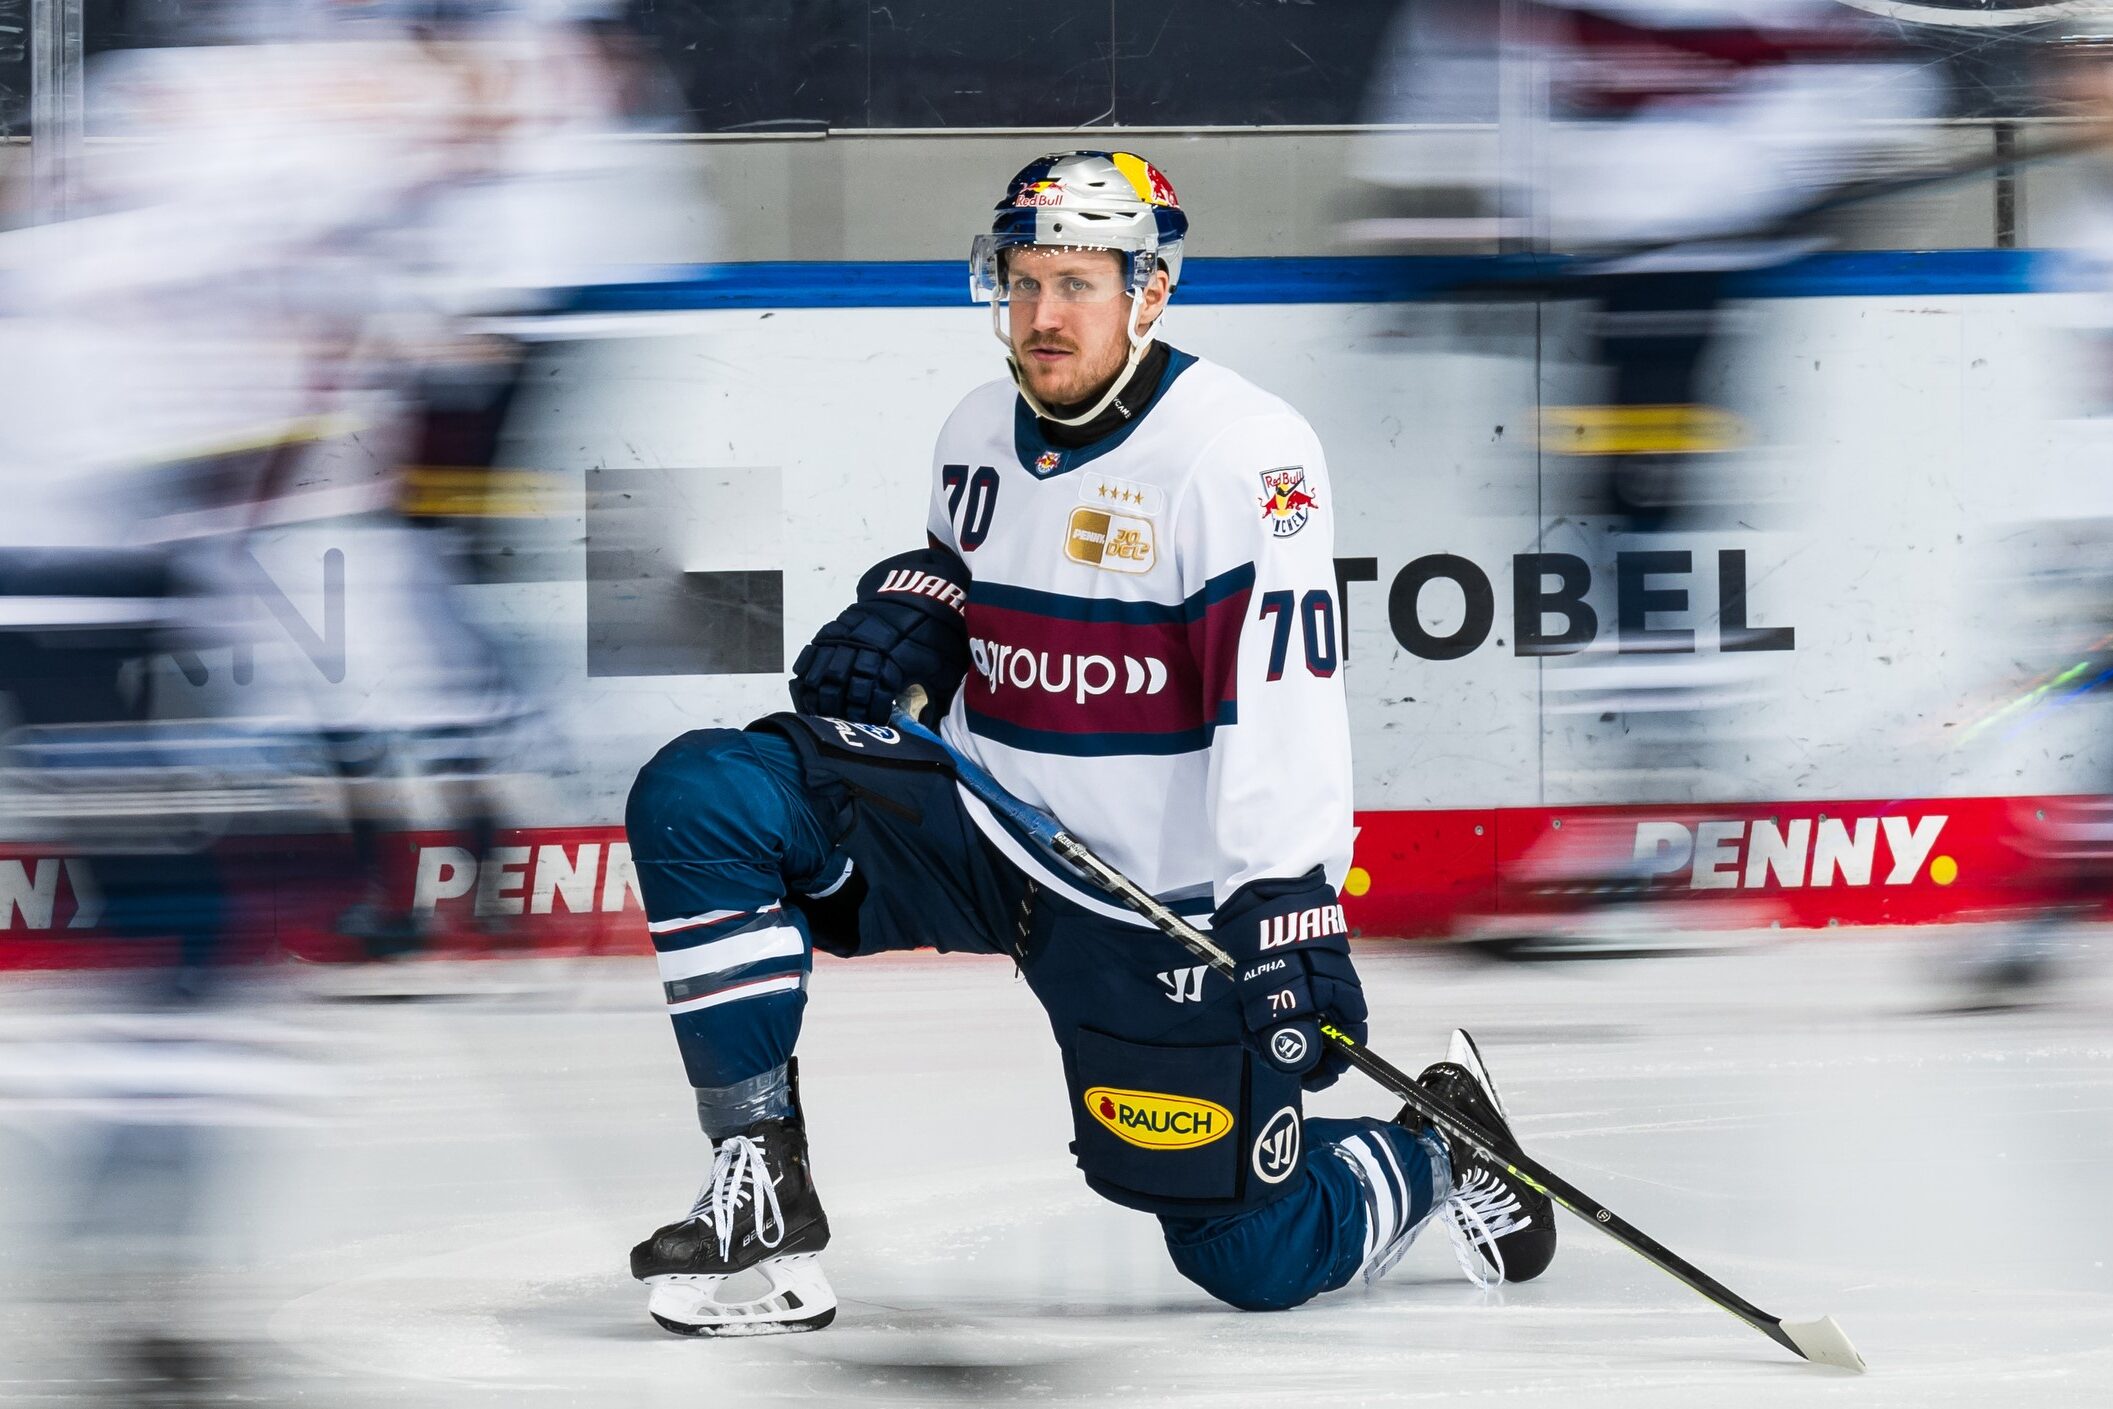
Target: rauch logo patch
1156 1121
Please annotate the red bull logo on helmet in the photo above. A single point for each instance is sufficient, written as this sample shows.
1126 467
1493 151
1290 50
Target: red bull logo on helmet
1045 192
1147 180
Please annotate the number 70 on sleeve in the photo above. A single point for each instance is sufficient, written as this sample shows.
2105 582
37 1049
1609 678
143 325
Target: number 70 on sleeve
1315 617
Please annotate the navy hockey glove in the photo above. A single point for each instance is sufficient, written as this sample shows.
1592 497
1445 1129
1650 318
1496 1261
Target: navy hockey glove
1292 946
906 628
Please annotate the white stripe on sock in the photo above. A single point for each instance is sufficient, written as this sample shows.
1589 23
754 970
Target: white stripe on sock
716 956
757 988
709 917
1401 1178
1381 1216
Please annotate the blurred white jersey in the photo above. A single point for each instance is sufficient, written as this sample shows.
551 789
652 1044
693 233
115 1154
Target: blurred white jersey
278 236
1156 644
282 246
1655 120
228 290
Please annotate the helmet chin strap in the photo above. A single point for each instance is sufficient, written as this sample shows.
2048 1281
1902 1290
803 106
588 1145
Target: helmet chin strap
1140 340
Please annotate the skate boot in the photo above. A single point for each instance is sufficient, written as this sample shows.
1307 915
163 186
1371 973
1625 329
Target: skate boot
1502 1229
746 1262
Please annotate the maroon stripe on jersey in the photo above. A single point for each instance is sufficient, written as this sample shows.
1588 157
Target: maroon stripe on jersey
1214 643
1741 46
1082 677
1611 66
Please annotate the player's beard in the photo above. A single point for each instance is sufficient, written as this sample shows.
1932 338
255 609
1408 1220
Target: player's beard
1077 380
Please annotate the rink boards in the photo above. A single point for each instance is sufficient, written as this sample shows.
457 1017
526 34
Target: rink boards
1469 872
1861 614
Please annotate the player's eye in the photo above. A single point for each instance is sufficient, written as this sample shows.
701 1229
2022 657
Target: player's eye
1077 285
1026 288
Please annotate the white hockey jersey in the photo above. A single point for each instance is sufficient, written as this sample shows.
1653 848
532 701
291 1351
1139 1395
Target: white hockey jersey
1155 636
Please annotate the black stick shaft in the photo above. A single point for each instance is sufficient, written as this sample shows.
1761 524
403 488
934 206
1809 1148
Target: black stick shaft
1081 858
1517 1163
1440 1114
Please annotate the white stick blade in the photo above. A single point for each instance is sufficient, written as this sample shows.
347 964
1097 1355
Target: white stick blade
1823 1343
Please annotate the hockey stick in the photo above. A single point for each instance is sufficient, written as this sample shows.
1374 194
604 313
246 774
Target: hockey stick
1821 1341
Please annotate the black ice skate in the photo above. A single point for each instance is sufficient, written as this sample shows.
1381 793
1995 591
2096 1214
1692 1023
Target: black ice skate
746 1262
1503 1231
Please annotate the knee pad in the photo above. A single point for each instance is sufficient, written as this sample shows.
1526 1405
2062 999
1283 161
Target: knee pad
1282 1254
689 771
719 819
715 785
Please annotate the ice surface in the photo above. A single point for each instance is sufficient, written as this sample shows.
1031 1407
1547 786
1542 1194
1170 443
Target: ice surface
1792 1118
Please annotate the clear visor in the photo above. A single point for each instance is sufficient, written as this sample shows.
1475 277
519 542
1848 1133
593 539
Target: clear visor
1008 269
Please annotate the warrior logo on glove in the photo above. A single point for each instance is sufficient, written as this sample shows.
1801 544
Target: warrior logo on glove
925 584
1291 942
1321 920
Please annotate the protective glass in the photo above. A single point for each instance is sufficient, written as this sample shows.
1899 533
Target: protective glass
1029 284
990 278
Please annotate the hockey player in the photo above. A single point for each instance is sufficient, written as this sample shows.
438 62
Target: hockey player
1126 613
1666 150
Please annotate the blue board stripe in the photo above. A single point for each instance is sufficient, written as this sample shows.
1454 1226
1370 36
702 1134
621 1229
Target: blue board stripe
944 283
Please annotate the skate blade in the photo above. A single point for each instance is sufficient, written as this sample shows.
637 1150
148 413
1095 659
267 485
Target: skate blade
1462 1052
799 1299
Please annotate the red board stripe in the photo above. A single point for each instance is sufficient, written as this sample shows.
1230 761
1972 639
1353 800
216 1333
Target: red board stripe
1807 865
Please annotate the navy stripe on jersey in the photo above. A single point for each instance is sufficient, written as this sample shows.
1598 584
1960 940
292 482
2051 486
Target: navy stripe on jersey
1105 745
1065 607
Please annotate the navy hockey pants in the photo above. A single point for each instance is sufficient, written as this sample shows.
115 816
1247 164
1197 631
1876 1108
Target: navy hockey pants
752 850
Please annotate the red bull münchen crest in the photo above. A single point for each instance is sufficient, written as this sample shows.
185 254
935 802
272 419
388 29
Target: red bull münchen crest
1285 503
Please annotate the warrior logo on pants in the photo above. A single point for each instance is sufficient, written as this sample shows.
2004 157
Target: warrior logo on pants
1185 985
1277 1147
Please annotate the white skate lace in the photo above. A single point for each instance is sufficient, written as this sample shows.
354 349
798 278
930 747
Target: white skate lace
1482 1210
1397 1247
737 1166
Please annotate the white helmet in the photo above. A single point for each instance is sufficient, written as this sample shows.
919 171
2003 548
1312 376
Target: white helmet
1084 200
1087 200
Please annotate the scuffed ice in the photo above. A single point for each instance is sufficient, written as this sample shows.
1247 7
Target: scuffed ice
1794 1118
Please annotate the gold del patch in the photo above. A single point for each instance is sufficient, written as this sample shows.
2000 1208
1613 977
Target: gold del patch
1117 542
1156 1121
